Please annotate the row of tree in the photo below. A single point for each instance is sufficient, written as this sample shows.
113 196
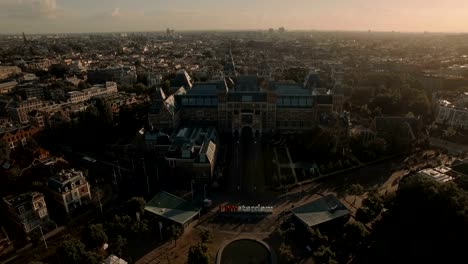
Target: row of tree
423 222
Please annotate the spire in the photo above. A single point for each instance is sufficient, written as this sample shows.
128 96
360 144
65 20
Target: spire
24 39
230 66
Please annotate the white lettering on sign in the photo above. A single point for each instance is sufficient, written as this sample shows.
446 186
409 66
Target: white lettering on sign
246 209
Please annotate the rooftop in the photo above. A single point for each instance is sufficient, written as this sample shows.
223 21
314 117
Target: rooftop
17 200
291 89
172 207
321 210
113 259
66 175
438 174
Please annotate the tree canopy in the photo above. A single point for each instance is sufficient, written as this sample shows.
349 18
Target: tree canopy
94 236
72 251
198 255
425 222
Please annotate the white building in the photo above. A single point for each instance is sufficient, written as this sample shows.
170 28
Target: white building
97 90
70 189
451 115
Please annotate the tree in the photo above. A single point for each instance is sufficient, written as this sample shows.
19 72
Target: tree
354 241
94 236
136 205
198 255
205 236
425 222
140 88
92 258
82 85
286 254
317 238
117 245
4 150
71 251
371 207
324 254
175 232
104 110
355 190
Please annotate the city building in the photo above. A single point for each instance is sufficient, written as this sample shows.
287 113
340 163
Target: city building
70 189
95 91
449 114
251 103
37 118
7 71
17 136
30 91
123 75
19 110
7 87
27 210
188 150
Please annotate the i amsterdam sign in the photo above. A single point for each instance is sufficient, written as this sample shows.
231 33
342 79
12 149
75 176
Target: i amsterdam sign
246 209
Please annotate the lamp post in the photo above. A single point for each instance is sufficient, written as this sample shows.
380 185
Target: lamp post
191 187
43 238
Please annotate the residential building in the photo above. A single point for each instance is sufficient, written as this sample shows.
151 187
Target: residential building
17 136
37 119
6 71
70 189
7 87
19 110
123 75
30 91
96 90
27 210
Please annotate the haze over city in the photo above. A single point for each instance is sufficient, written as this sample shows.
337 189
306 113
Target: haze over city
233 132
62 16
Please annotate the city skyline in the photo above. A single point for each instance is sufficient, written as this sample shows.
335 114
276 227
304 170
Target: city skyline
66 16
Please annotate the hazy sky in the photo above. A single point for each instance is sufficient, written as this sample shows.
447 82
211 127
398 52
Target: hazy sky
39 16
